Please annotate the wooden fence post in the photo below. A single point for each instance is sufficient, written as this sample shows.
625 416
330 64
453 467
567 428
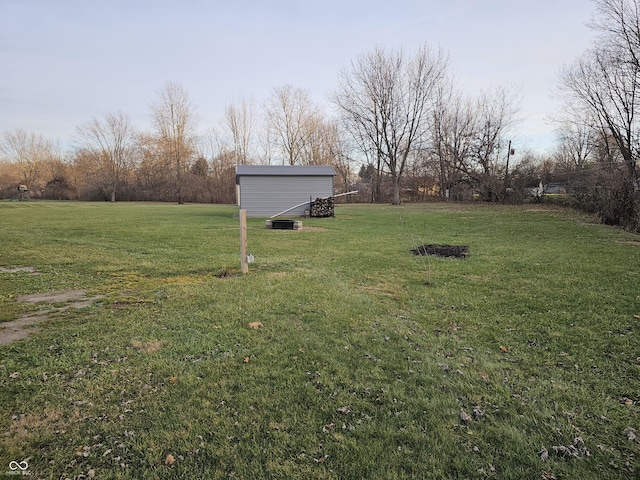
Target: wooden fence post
244 265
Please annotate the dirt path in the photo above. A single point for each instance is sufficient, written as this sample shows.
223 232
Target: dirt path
28 323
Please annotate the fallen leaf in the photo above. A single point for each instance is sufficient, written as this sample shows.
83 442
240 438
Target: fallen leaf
169 460
464 417
484 376
246 359
478 412
83 451
631 433
321 459
173 379
544 454
637 317
328 427
255 325
503 349
548 476
346 409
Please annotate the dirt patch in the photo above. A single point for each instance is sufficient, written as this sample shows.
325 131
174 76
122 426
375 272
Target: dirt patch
30 270
455 251
22 327
54 297
28 323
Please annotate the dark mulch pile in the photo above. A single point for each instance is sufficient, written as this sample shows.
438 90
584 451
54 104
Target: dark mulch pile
456 251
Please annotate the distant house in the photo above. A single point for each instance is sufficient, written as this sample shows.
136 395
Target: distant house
266 190
555 188
538 189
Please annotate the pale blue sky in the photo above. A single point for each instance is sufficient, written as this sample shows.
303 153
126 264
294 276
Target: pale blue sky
64 61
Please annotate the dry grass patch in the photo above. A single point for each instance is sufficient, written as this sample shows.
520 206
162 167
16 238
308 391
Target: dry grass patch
152 346
391 291
25 427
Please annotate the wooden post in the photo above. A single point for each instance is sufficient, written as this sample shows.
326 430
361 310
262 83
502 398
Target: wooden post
244 265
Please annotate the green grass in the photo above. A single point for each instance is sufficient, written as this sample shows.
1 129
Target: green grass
366 357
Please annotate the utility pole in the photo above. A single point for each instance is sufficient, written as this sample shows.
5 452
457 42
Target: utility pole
506 173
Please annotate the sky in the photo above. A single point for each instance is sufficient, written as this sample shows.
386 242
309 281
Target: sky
63 62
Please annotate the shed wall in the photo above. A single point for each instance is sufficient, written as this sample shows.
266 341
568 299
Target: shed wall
264 196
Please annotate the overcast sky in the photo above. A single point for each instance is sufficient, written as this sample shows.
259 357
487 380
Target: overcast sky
64 61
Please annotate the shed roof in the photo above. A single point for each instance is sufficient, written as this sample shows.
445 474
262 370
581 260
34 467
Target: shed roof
286 170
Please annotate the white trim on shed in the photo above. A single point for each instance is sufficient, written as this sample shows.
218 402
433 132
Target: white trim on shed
265 190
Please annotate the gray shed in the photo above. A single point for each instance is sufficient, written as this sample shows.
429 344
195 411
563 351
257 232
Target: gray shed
266 190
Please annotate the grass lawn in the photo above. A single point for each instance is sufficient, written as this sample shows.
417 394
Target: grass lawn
521 361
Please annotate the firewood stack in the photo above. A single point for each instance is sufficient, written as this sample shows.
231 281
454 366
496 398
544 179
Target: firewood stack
322 207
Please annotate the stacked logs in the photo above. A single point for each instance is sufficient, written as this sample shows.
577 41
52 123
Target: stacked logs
322 207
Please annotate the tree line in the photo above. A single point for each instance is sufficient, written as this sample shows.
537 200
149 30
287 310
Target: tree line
390 110
400 130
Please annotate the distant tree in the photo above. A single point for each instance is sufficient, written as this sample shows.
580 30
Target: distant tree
155 171
335 150
60 185
495 115
385 100
468 138
603 88
577 140
30 152
608 89
109 143
526 176
175 122
239 121
452 135
200 167
9 178
291 120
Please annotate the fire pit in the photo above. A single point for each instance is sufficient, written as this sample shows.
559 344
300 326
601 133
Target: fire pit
284 224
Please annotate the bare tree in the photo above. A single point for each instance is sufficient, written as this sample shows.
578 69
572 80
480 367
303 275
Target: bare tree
453 133
618 23
605 81
577 141
384 100
608 89
495 114
291 117
174 119
155 179
30 152
109 143
603 87
239 122
469 138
